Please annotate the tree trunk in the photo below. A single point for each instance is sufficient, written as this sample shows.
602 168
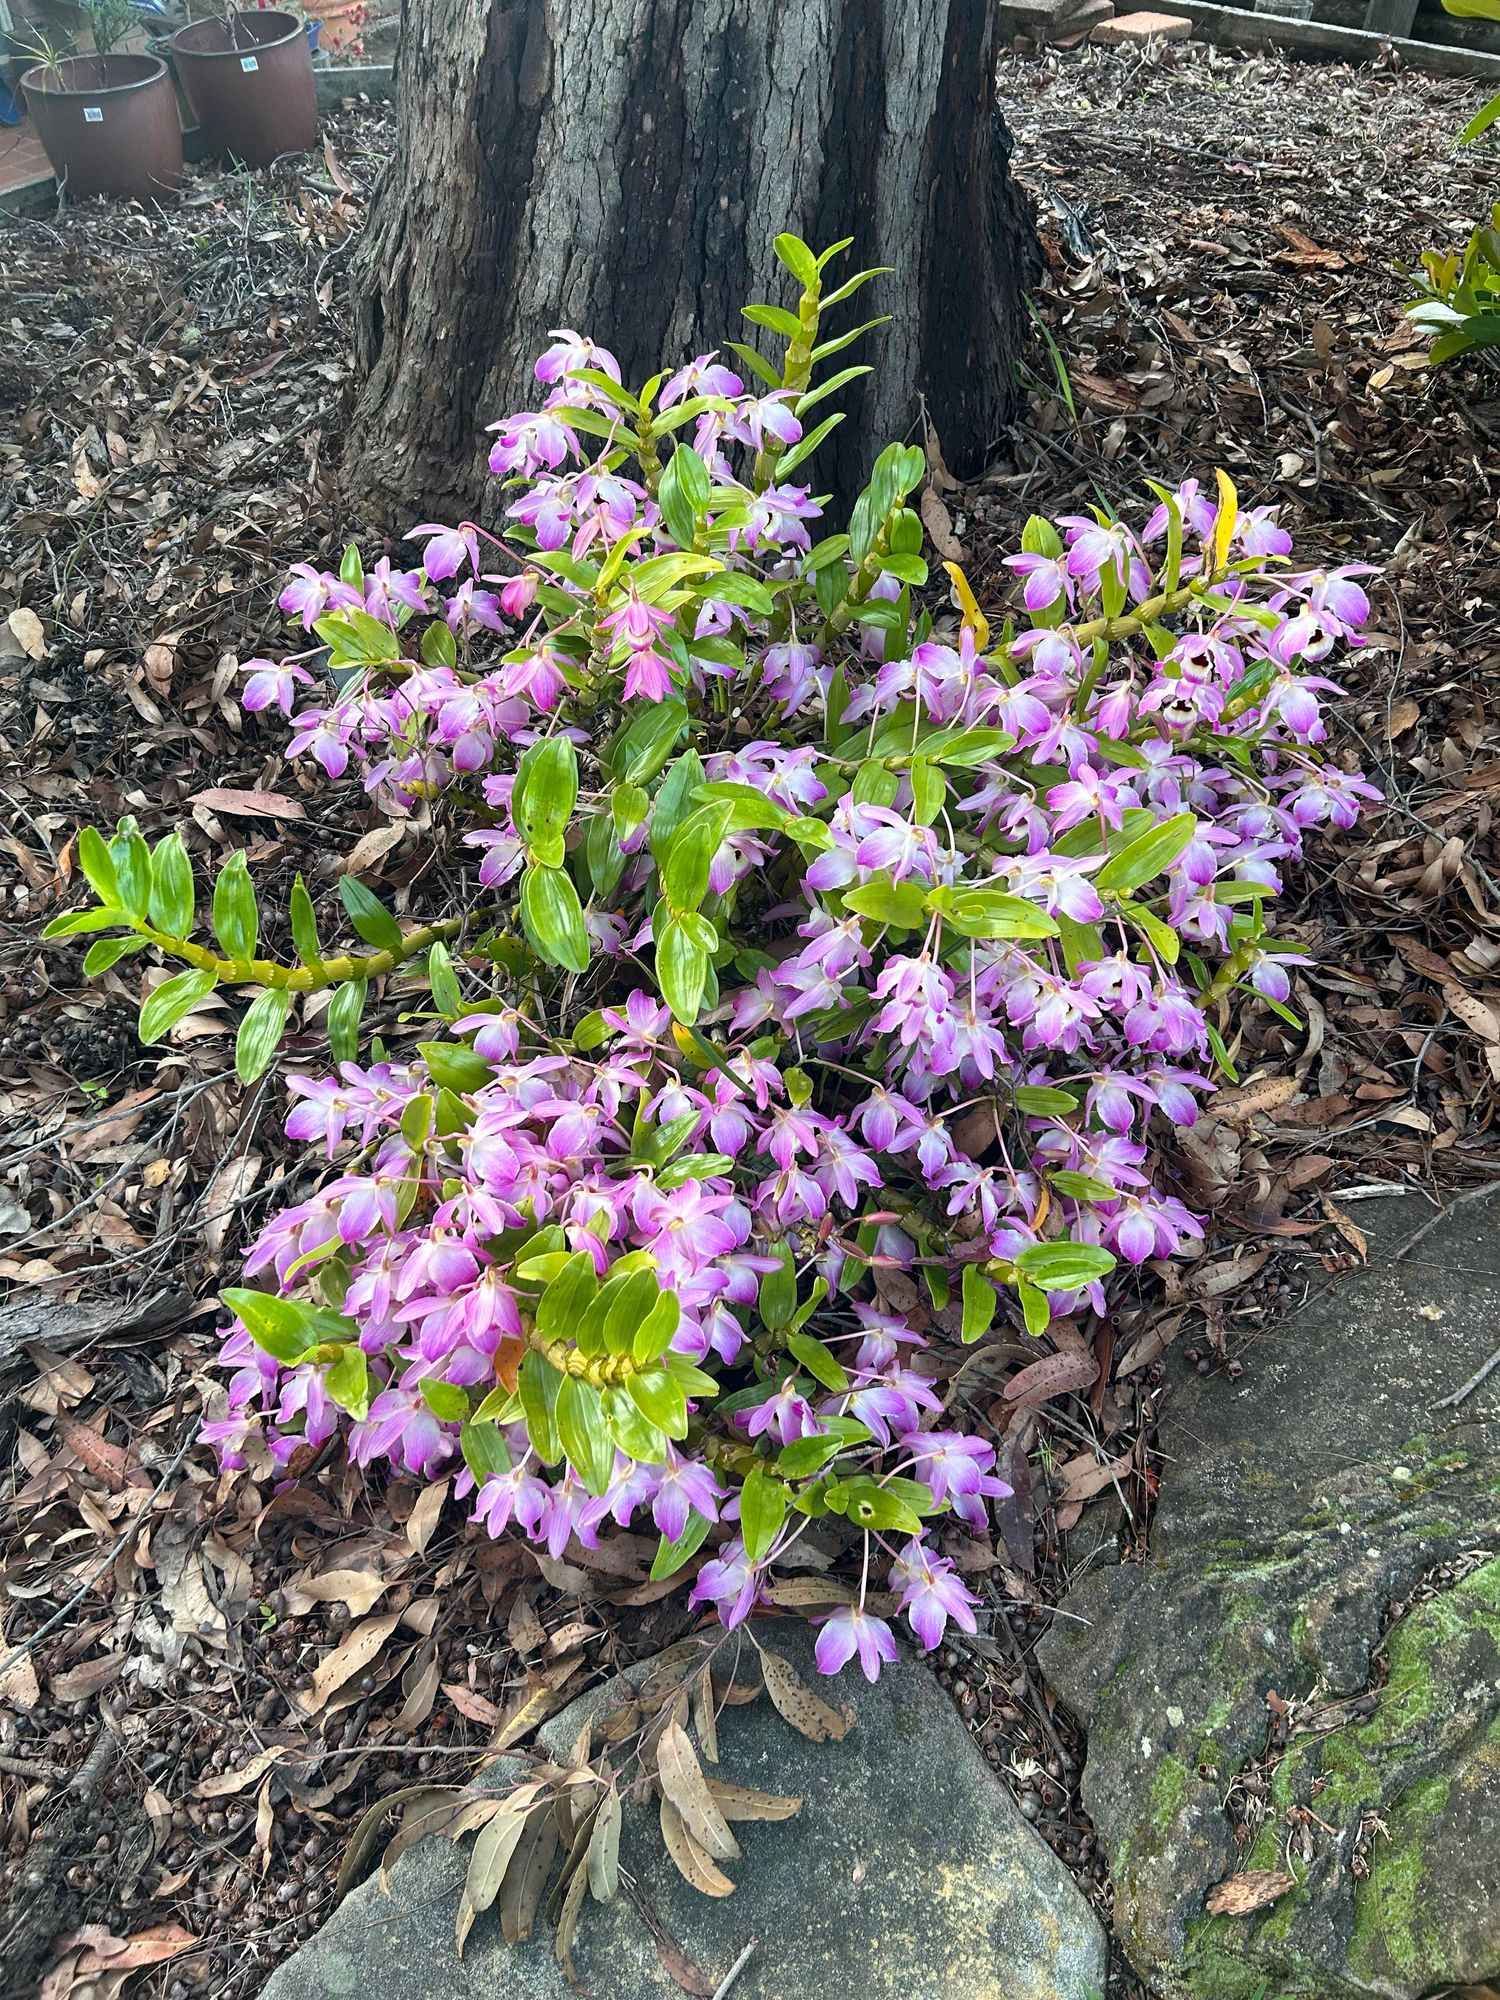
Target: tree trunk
623 166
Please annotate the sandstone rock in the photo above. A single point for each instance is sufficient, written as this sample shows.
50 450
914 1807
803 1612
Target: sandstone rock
1143 28
1302 1501
908 1875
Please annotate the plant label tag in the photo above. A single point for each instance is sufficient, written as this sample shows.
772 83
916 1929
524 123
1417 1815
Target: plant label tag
248 63
93 114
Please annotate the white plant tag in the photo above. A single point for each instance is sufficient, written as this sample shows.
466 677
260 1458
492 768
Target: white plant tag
247 63
93 114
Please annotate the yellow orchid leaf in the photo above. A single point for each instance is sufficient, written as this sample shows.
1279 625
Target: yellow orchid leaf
1229 513
974 618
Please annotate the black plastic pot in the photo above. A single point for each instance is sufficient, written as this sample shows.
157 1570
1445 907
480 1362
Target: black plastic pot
109 124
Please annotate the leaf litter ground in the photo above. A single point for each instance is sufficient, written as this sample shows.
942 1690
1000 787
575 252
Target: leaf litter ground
213 1684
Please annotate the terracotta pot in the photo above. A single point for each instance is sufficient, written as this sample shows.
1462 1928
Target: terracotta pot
341 21
250 82
109 124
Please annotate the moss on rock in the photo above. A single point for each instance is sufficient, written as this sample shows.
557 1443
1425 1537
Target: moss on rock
1299 1507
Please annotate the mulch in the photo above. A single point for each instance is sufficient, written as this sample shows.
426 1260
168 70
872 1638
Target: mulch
216 1682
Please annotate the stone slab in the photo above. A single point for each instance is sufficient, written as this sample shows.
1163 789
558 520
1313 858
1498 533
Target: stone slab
1299 1502
909 1875
1082 21
1039 13
1244 28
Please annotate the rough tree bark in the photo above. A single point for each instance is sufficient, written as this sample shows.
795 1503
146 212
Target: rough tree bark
622 167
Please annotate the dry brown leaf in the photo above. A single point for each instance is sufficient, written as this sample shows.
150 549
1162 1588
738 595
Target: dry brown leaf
359 1589
1103 391
530 1714
1428 963
335 171
352 1656
567 1638
184 1593
683 1782
114 1229
1052 1375
1268 1093
937 465
1475 1015
421 1522
1405 714
19 1687
1410 1116
474 1706
89 487
705 1717
740 1802
795 1702
1211 1278
1150 1345
265 1823
523 1628
567 1927
1241 1895
228 1188
602 1863
695 1867
160 661
939 525
521 1892
107 1461
373 846
83 1683
419 1686
124 1115
492 1853
809 1593
223 1784
1305 253
1347 1227
1084 1476
248 804
26 628
93 1963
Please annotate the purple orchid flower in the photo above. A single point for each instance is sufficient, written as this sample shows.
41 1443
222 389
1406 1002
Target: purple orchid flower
850 1630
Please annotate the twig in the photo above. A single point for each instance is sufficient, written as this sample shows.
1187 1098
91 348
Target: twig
97 1766
735 1970
1459 1201
17 1767
1480 1375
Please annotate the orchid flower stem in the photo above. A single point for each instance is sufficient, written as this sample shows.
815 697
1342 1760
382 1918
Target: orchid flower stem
1100 633
860 585
300 978
600 1371
796 374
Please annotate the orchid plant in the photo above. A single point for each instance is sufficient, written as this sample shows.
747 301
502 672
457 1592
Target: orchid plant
823 942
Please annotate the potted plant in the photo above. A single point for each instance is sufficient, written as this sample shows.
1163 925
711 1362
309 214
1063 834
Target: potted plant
311 19
107 119
342 21
249 79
